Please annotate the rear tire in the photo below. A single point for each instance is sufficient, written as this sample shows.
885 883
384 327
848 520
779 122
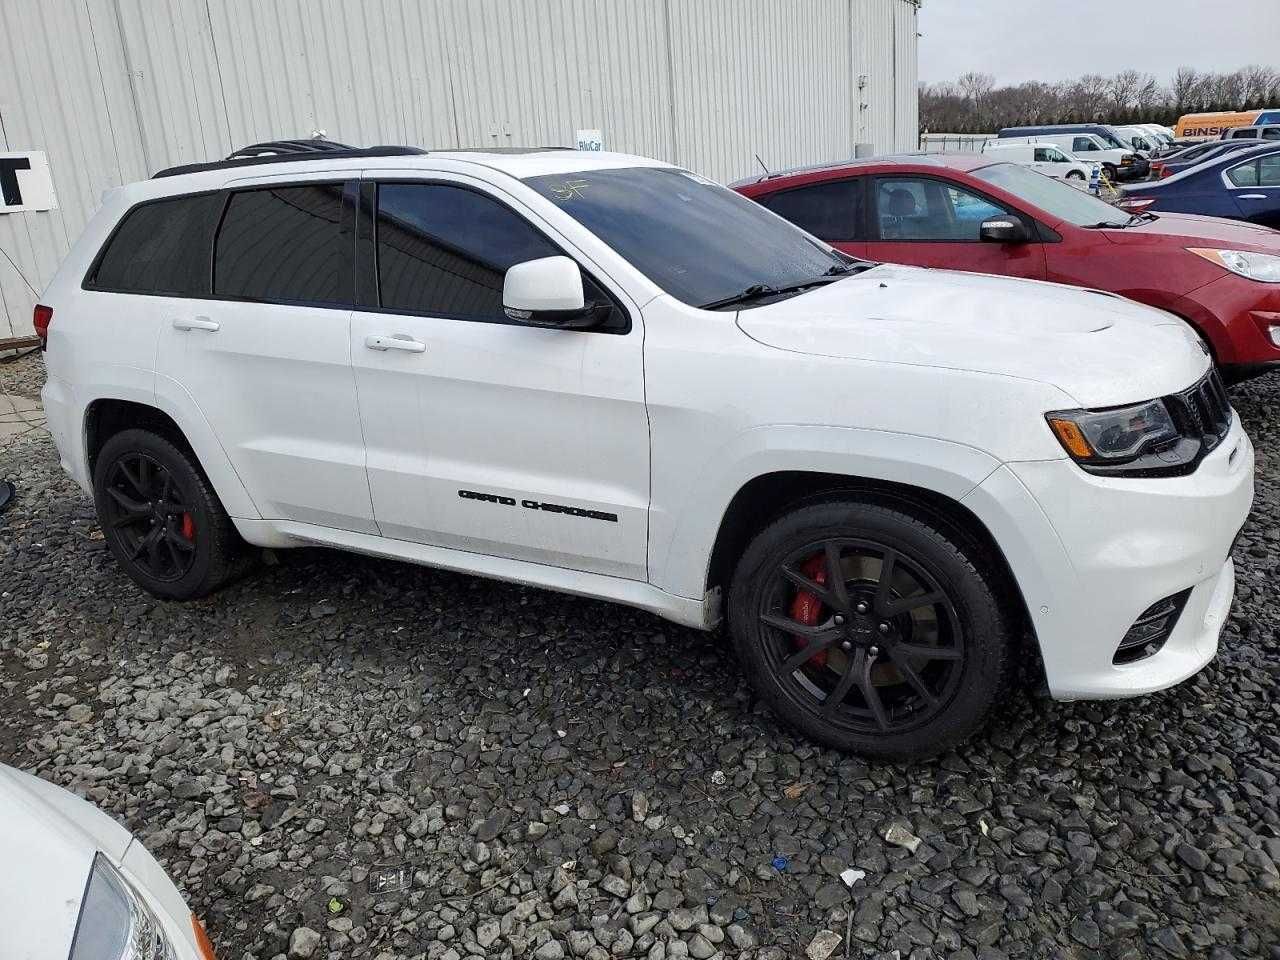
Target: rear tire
898 670
162 521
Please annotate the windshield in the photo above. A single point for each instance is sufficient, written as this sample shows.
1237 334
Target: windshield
1053 196
698 241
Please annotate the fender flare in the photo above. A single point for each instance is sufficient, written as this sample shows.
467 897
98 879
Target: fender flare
682 535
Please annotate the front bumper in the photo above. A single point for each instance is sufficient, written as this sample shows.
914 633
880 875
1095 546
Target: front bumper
1237 315
1092 553
1138 170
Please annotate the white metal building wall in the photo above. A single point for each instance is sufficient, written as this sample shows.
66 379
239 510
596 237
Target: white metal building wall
113 90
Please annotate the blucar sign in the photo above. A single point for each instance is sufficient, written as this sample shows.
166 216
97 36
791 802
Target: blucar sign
25 183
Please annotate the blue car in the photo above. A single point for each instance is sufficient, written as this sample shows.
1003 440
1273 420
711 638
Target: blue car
1194 156
1243 185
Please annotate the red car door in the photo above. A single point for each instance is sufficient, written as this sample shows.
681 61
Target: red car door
932 222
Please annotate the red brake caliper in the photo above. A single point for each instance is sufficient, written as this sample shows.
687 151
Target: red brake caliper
189 527
805 607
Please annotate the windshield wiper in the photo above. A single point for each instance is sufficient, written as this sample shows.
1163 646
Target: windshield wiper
847 269
1108 225
758 290
753 292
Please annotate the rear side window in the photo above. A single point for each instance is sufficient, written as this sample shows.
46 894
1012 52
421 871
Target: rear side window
285 244
831 211
162 247
1245 175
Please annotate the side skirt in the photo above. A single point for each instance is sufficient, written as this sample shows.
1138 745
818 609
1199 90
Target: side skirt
631 593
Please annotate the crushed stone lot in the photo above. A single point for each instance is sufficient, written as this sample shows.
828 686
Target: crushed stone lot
347 757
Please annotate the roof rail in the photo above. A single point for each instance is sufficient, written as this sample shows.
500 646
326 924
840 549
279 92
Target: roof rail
290 151
272 147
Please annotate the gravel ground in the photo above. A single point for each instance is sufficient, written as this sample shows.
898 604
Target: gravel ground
349 757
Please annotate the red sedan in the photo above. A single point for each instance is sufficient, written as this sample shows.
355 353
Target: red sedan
974 212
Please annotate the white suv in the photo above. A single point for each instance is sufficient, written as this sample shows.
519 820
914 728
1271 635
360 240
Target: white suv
605 375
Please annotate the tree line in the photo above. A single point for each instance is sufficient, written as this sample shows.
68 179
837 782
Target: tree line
974 104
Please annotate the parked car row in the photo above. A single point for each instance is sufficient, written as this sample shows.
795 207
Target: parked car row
1238 184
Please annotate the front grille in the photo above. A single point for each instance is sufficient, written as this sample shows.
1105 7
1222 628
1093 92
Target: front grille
1152 628
1203 411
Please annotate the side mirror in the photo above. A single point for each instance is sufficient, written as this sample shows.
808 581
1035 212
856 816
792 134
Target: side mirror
1004 230
547 293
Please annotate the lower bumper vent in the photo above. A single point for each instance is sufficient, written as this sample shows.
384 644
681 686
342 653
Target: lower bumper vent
1152 628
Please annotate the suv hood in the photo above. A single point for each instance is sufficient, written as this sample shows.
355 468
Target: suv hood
1099 349
1190 230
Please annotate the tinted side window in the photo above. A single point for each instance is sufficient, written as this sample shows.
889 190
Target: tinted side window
911 209
444 251
830 211
284 244
1269 172
1245 175
1083 145
161 248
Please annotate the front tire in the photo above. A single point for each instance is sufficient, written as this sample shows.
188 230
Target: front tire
1075 175
162 521
870 630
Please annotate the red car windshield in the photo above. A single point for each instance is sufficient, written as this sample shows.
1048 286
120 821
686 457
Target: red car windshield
1053 196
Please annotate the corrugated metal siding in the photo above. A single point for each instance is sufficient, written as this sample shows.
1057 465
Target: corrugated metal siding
113 90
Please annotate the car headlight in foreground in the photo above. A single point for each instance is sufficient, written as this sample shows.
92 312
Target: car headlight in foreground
115 922
1263 267
1134 440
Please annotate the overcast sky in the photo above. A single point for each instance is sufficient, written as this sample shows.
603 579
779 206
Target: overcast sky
1056 39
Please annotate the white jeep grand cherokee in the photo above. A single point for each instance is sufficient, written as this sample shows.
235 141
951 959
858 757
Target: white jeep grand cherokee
606 375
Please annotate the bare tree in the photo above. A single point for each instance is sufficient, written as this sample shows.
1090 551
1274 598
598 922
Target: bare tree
1123 88
1186 87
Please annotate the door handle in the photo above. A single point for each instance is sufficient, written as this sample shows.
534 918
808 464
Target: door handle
196 323
397 342
1253 196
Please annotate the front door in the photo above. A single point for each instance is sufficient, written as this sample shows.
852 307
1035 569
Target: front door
483 434
930 222
268 357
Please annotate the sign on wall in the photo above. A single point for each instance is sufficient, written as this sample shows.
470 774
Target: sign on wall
25 182
590 140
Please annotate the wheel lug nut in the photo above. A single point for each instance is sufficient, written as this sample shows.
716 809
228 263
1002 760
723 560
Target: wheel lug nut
862 608
874 651
839 620
884 628
846 646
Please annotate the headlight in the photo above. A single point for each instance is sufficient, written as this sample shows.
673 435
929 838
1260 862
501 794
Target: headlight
1263 267
1141 439
115 923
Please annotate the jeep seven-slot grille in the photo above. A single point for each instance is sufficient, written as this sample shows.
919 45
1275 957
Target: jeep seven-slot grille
1203 411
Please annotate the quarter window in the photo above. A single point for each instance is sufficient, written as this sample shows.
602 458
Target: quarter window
444 251
162 247
284 244
831 211
1245 175
921 209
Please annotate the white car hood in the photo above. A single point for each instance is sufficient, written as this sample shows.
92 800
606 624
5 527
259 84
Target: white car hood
1099 349
48 839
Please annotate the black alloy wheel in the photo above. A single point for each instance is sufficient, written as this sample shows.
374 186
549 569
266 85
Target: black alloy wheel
162 521
870 629
149 515
880 651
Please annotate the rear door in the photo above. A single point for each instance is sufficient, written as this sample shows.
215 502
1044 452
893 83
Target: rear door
831 210
266 355
931 222
1255 190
